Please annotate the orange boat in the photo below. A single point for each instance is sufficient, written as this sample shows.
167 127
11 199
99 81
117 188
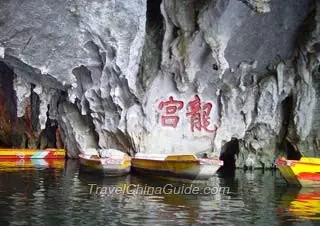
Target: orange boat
304 172
50 153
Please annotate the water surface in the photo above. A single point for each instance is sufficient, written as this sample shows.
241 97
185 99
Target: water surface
62 197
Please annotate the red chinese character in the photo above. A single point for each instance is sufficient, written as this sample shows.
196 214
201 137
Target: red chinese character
200 115
171 106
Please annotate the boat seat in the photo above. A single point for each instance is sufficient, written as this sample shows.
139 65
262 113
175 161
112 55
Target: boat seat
151 156
187 157
172 157
91 151
108 153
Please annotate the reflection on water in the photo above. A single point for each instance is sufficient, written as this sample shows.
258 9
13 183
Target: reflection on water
303 203
62 197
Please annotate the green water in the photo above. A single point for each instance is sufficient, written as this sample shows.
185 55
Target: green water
62 197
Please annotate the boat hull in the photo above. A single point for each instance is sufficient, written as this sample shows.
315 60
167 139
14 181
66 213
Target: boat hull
12 165
178 167
304 172
32 154
105 166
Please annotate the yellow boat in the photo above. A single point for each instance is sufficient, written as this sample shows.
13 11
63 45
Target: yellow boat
12 165
176 166
50 153
109 162
304 204
304 172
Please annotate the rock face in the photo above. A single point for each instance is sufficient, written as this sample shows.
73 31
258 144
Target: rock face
237 79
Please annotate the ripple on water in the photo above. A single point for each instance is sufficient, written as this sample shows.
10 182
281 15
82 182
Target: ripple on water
45 197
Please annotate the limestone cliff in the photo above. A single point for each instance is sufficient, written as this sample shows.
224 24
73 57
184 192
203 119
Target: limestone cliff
232 78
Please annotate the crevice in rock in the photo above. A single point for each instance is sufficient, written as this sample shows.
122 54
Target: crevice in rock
286 146
48 138
228 155
8 107
35 108
154 12
125 142
244 117
151 54
175 32
286 111
220 107
290 150
199 5
305 30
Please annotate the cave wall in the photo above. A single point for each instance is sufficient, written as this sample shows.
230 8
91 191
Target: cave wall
19 126
169 76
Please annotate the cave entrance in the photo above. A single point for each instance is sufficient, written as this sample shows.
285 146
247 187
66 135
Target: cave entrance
49 137
7 105
154 16
286 146
22 132
292 154
228 153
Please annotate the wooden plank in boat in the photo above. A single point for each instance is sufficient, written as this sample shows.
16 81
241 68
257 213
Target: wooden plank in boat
181 158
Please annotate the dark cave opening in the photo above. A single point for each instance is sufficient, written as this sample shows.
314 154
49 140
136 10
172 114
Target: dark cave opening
48 136
286 145
152 55
35 108
154 12
154 22
286 111
291 151
21 132
228 153
8 107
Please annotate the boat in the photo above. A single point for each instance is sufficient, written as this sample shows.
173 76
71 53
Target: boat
303 203
303 173
109 162
13 165
185 166
20 153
